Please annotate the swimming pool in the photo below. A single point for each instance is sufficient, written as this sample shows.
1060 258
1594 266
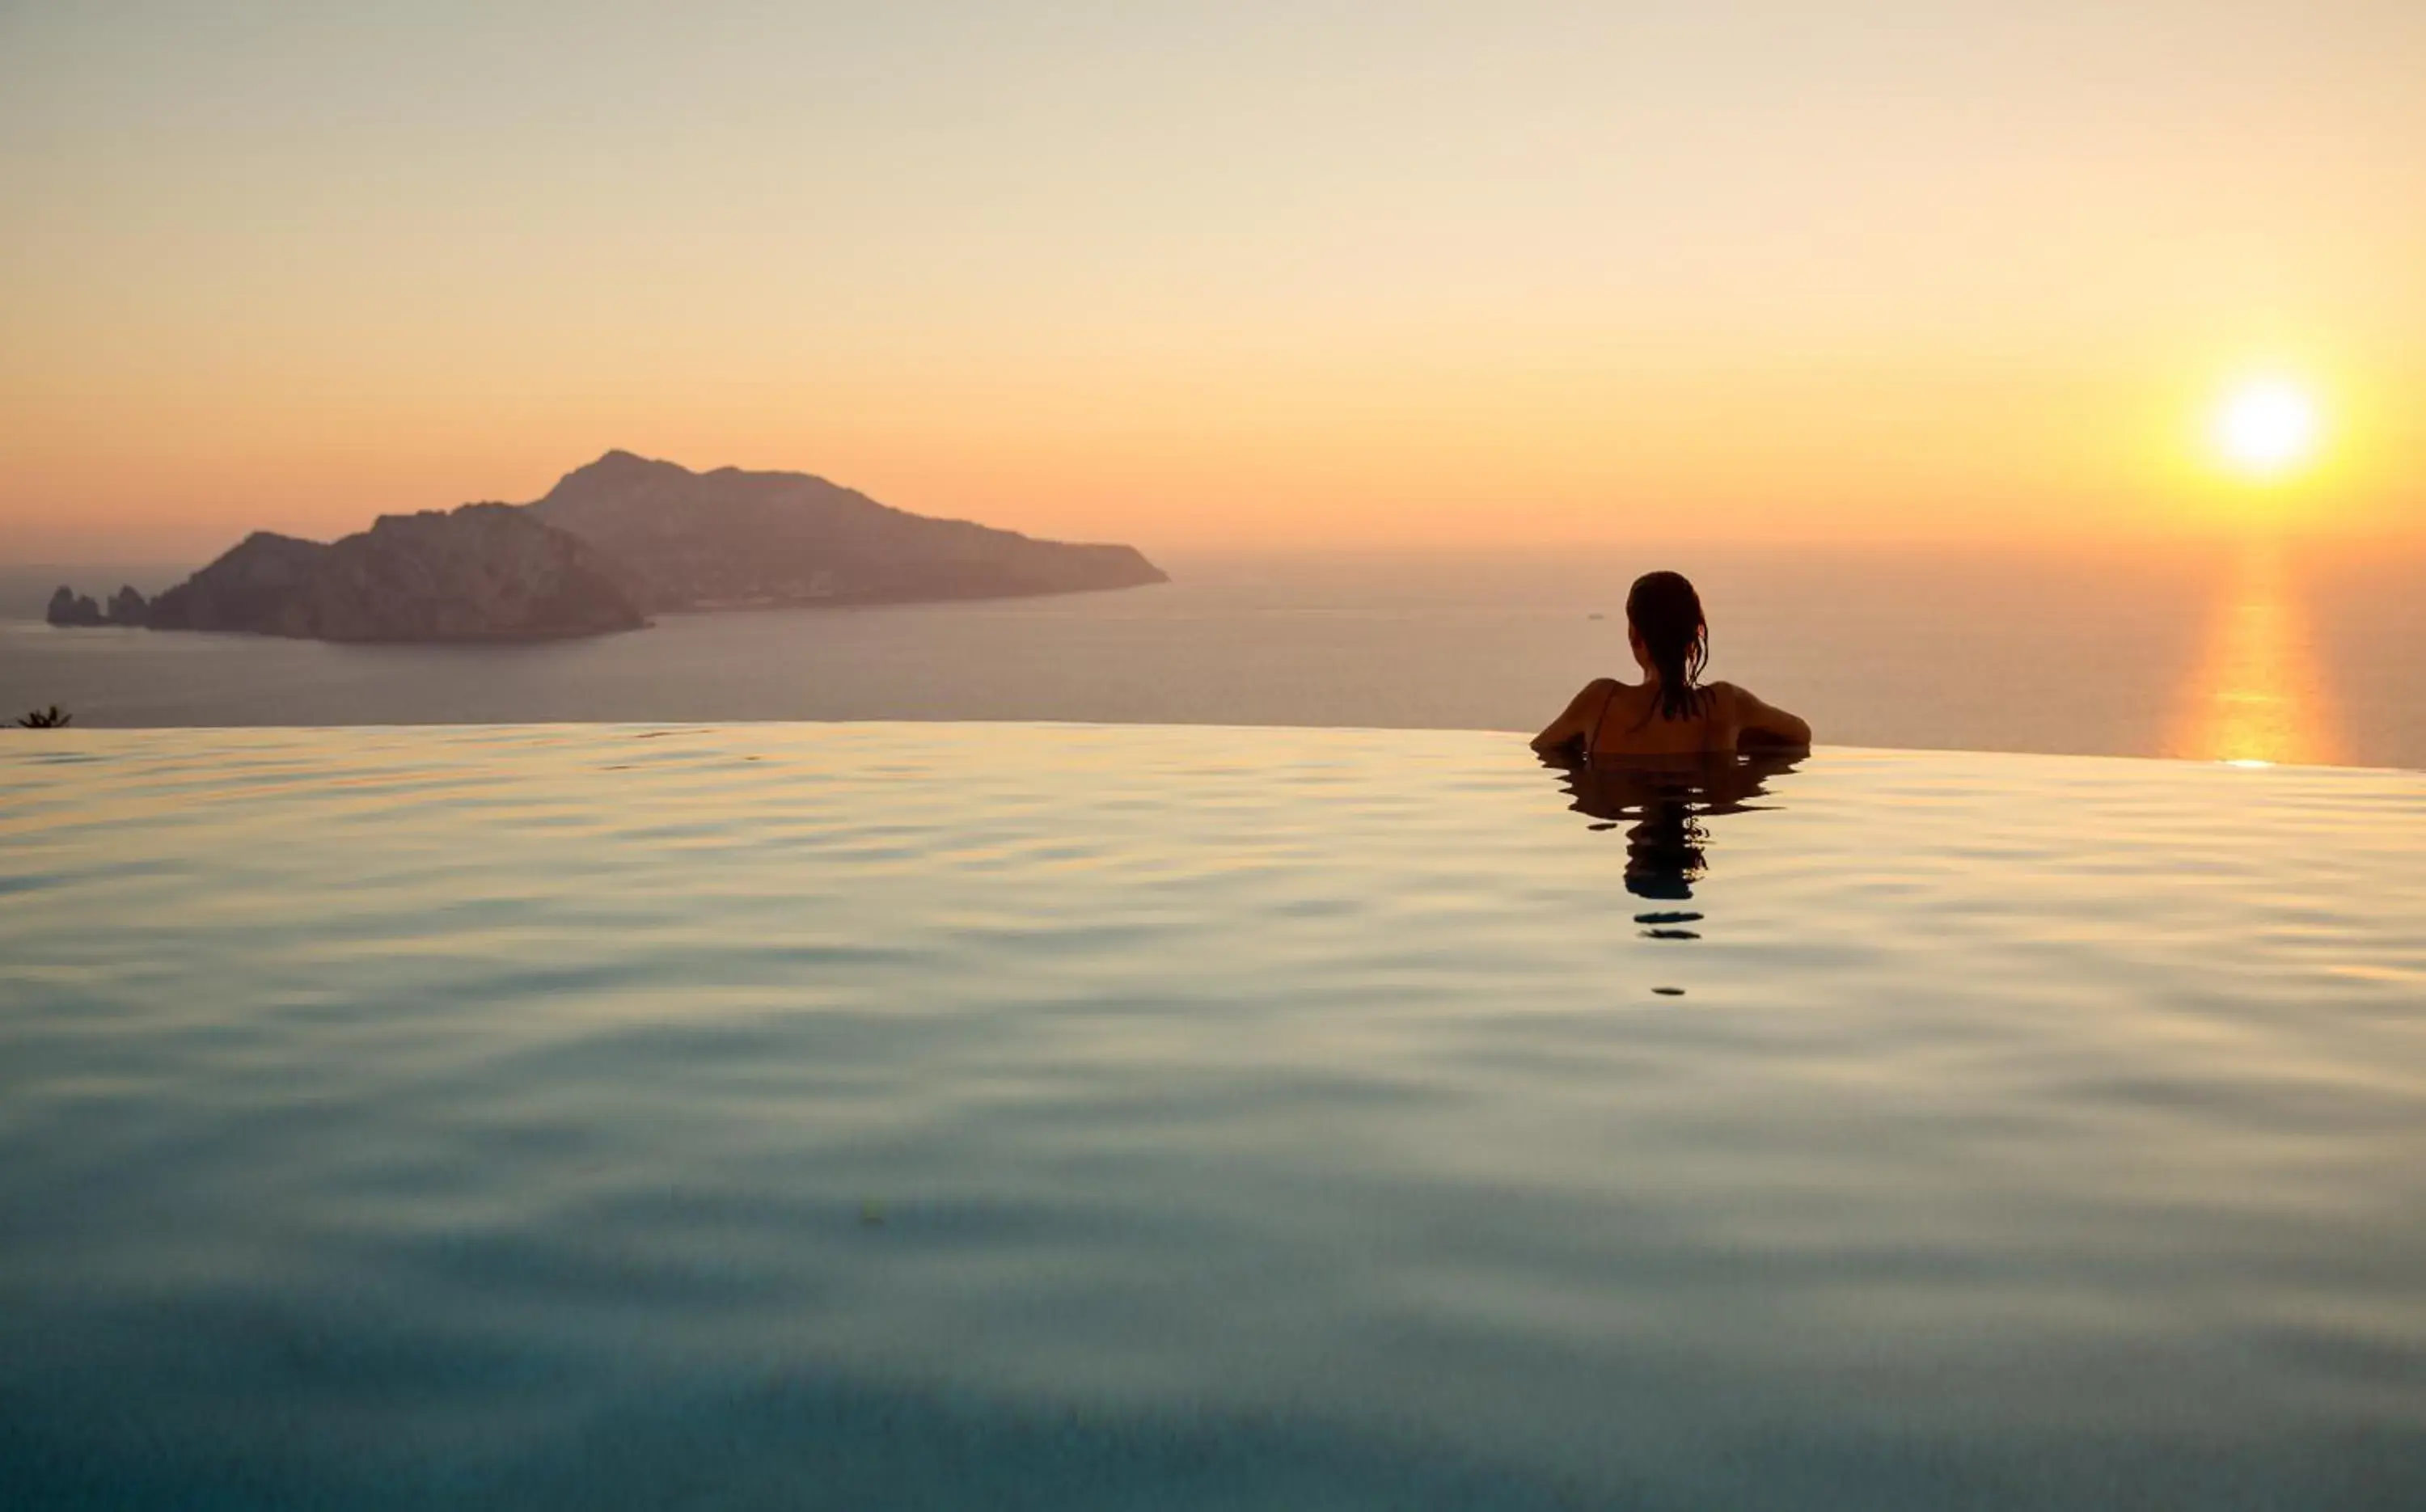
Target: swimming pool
1031 1116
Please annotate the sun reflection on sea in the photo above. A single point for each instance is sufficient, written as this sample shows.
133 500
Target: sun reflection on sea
2258 694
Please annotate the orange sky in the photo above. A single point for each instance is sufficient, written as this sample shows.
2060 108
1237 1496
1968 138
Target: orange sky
1208 277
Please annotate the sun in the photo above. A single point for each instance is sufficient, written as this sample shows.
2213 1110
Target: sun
2266 427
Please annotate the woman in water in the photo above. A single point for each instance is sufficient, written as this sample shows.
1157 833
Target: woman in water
1668 713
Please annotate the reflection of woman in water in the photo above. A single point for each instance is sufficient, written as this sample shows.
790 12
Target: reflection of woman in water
1668 713
1662 805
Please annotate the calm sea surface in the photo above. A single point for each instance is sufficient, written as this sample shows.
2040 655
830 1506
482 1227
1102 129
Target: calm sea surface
2253 655
901 1115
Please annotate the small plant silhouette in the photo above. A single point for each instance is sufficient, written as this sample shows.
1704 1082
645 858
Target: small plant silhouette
53 718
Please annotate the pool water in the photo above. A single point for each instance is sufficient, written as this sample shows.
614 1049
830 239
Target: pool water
1045 1117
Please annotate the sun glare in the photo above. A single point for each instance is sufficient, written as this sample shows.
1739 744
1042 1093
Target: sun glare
2266 427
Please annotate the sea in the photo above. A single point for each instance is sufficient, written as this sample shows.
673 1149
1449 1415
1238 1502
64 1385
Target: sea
2245 650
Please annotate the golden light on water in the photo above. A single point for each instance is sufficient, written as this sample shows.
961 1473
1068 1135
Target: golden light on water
2267 427
2258 695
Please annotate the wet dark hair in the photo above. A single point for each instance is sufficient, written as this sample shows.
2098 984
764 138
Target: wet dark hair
1667 613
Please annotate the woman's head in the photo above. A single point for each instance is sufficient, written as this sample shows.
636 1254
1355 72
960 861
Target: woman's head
1670 637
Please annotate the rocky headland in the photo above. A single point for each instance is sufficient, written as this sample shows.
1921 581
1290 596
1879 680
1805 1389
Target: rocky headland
485 571
725 538
612 541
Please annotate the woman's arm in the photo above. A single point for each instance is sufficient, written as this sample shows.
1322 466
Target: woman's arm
1764 724
1574 726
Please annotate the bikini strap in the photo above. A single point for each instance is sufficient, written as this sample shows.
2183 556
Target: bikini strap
1592 742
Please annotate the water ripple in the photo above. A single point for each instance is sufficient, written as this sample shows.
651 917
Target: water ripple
1049 1116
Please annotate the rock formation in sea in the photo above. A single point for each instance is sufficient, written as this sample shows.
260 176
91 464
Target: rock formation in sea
611 540
702 540
77 610
71 608
485 571
126 608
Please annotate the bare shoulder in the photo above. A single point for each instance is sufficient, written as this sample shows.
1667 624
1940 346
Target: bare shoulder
1746 710
1593 693
1573 724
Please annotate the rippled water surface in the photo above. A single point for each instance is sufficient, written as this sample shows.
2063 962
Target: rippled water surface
1026 1116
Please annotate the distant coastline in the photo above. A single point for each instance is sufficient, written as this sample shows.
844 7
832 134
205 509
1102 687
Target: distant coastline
611 543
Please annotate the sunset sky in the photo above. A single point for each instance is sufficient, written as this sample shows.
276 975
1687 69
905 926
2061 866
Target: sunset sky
1215 276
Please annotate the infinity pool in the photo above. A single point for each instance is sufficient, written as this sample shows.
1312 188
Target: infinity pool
1031 1116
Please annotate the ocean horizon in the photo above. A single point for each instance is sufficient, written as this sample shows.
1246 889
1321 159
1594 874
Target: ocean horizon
2234 652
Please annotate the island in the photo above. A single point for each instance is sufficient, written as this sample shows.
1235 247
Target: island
730 538
485 571
613 543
